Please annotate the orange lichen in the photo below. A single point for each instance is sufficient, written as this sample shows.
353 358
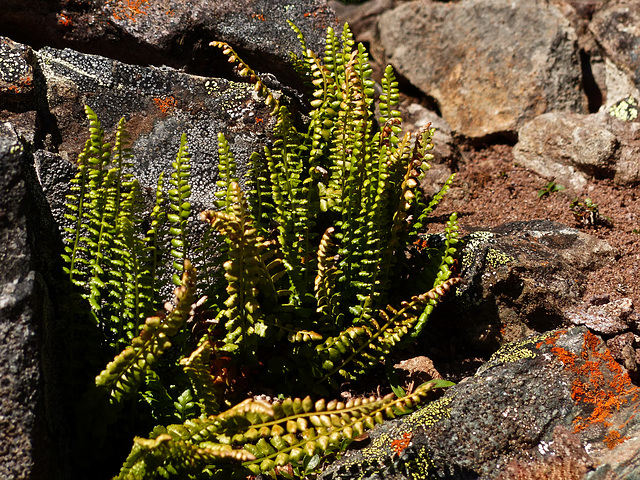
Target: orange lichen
64 20
129 9
593 388
259 16
400 444
259 120
165 104
23 83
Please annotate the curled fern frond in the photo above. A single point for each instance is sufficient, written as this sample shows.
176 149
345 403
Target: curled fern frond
124 374
246 71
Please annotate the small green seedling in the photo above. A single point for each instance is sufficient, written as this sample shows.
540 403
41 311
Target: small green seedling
549 188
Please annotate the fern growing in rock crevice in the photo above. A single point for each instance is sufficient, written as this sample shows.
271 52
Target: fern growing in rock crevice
312 256
344 204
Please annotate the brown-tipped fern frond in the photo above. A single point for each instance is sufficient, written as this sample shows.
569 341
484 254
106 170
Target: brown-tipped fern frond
260 436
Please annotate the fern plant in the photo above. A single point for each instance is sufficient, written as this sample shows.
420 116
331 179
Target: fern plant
312 260
337 205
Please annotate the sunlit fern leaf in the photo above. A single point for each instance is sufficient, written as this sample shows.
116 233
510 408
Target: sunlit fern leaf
123 375
389 100
260 437
179 193
156 249
226 172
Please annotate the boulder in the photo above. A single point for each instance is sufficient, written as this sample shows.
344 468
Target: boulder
521 278
573 148
173 33
159 105
616 30
34 424
552 403
490 65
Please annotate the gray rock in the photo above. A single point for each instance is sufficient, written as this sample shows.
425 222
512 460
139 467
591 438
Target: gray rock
607 319
173 33
548 403
490 65
521 278
34 431
567 147
159 104
616 30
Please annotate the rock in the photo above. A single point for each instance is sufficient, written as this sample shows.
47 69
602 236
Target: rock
547 403
159 104
607 319
572 148
490 65
521 278
616 30
34 431
173 33
567 147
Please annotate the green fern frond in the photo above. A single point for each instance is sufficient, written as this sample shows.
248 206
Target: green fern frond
197 367
366 344
245 271
124 374
180 207
261 437
156 249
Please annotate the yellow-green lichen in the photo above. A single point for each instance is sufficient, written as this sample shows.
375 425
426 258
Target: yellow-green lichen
514 352
431 414
625 110
421 467
497 258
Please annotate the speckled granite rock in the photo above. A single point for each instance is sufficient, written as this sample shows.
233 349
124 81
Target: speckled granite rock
34 428
506 416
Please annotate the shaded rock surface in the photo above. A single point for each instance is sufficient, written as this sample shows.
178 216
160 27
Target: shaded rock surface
558 395
174 33
521 278
34 429
490 65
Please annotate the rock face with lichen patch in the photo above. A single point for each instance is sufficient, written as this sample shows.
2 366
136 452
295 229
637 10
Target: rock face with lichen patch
509 413
159 105
521 278
174 33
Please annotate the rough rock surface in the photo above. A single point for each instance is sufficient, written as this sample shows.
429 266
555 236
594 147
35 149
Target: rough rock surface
490 65
616 30
573 148
169 32
159 105
33 434
558 395
521 278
